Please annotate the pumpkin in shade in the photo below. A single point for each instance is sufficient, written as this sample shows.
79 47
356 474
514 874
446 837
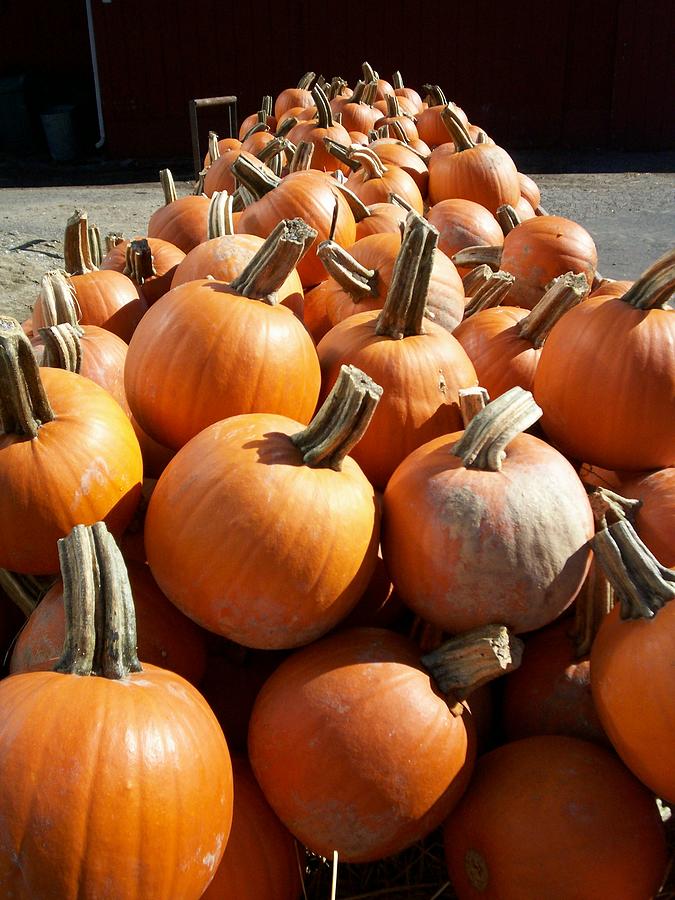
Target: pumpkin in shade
105 298
290 98
484 526
430 125
68 455
606 376
181 221
420 366
260 860
267 532
105 760
149 262
208 350
317 129
355 747
554 817
632 656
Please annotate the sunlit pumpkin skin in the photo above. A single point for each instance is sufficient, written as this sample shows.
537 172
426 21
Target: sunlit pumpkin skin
463 223
524 210
311 196
548 792
550 692
254 545
384 218
631 678
606 383
224 144
182 374
291 99
165 637
541 248
84 466
484 173
383 760
394 153
155 455
150 766
219 177
183 223
225 257
420 375
430 126
371 187
529 190
165 259
260 859
466 548
611 288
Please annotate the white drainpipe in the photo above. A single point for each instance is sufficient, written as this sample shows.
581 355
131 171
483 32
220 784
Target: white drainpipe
97 85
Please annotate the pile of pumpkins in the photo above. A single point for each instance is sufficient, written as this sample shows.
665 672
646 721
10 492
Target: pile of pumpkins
356 429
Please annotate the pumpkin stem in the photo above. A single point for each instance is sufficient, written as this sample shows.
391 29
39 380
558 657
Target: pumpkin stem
469 257
403 311
306 81
460 136
24 406
256 128
95 245
25 591
356 205
393 107
255 177
507 217
481 137
654 287
484 441
286 126
369 73
267 104
140 265
344 154
357 95
336 87
476 279
274 261
168 185
341 421
595 601
99 607
347 271
609 507
471 401
472 659
369 92
57 300
434 95
275 153
324 113
369 162
199 186
491 293
76 251
641 583
302 157
220 222
112 239
563 293
397 80
214 149
63 349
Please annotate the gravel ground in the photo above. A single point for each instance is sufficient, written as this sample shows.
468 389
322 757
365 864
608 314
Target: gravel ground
629 214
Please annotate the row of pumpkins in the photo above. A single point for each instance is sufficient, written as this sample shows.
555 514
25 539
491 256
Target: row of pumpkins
357 478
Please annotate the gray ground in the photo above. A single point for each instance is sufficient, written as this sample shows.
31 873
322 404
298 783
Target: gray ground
631 216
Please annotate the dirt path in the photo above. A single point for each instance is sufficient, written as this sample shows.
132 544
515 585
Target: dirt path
630 216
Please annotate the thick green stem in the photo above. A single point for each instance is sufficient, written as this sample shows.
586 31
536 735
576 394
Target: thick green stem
491 293
368 161
507 216
341 421
344 154
458 132
472 400
214 149
256 177
305 82
483 445
302 157
397 81
99 608
480 255
140 265
564 292
95 245
76 251
472 659
352 277
58 303
403 312
654 287
168 184
24 406
642 585
324 113
220 222
274 261
286 126
63 349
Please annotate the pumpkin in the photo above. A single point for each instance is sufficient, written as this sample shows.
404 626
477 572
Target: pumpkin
382 218
315 131
462 508
393 152
150 263
218 147
263 116
430 126
419 364
68 455
409 94
606 376
88 791
464 223
546 792
357 111
355 749
208 350
181 221
374 182
222 532
631 661
294 97
395 110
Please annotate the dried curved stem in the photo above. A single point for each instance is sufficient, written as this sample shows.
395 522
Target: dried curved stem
508 218
344 154
257 178
491 293
214 149
368 161
476 279
564 292
58 302
460 136
324 113
347 271
472 400
654 287
302 157
76 250
63 349
483 445
24 406
220 221
168 186
140 265
469 257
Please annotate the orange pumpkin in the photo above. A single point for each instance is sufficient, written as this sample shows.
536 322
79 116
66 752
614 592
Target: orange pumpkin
464 223
181 221
150 263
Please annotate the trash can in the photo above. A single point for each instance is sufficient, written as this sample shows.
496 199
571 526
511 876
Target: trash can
15 128
57 122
